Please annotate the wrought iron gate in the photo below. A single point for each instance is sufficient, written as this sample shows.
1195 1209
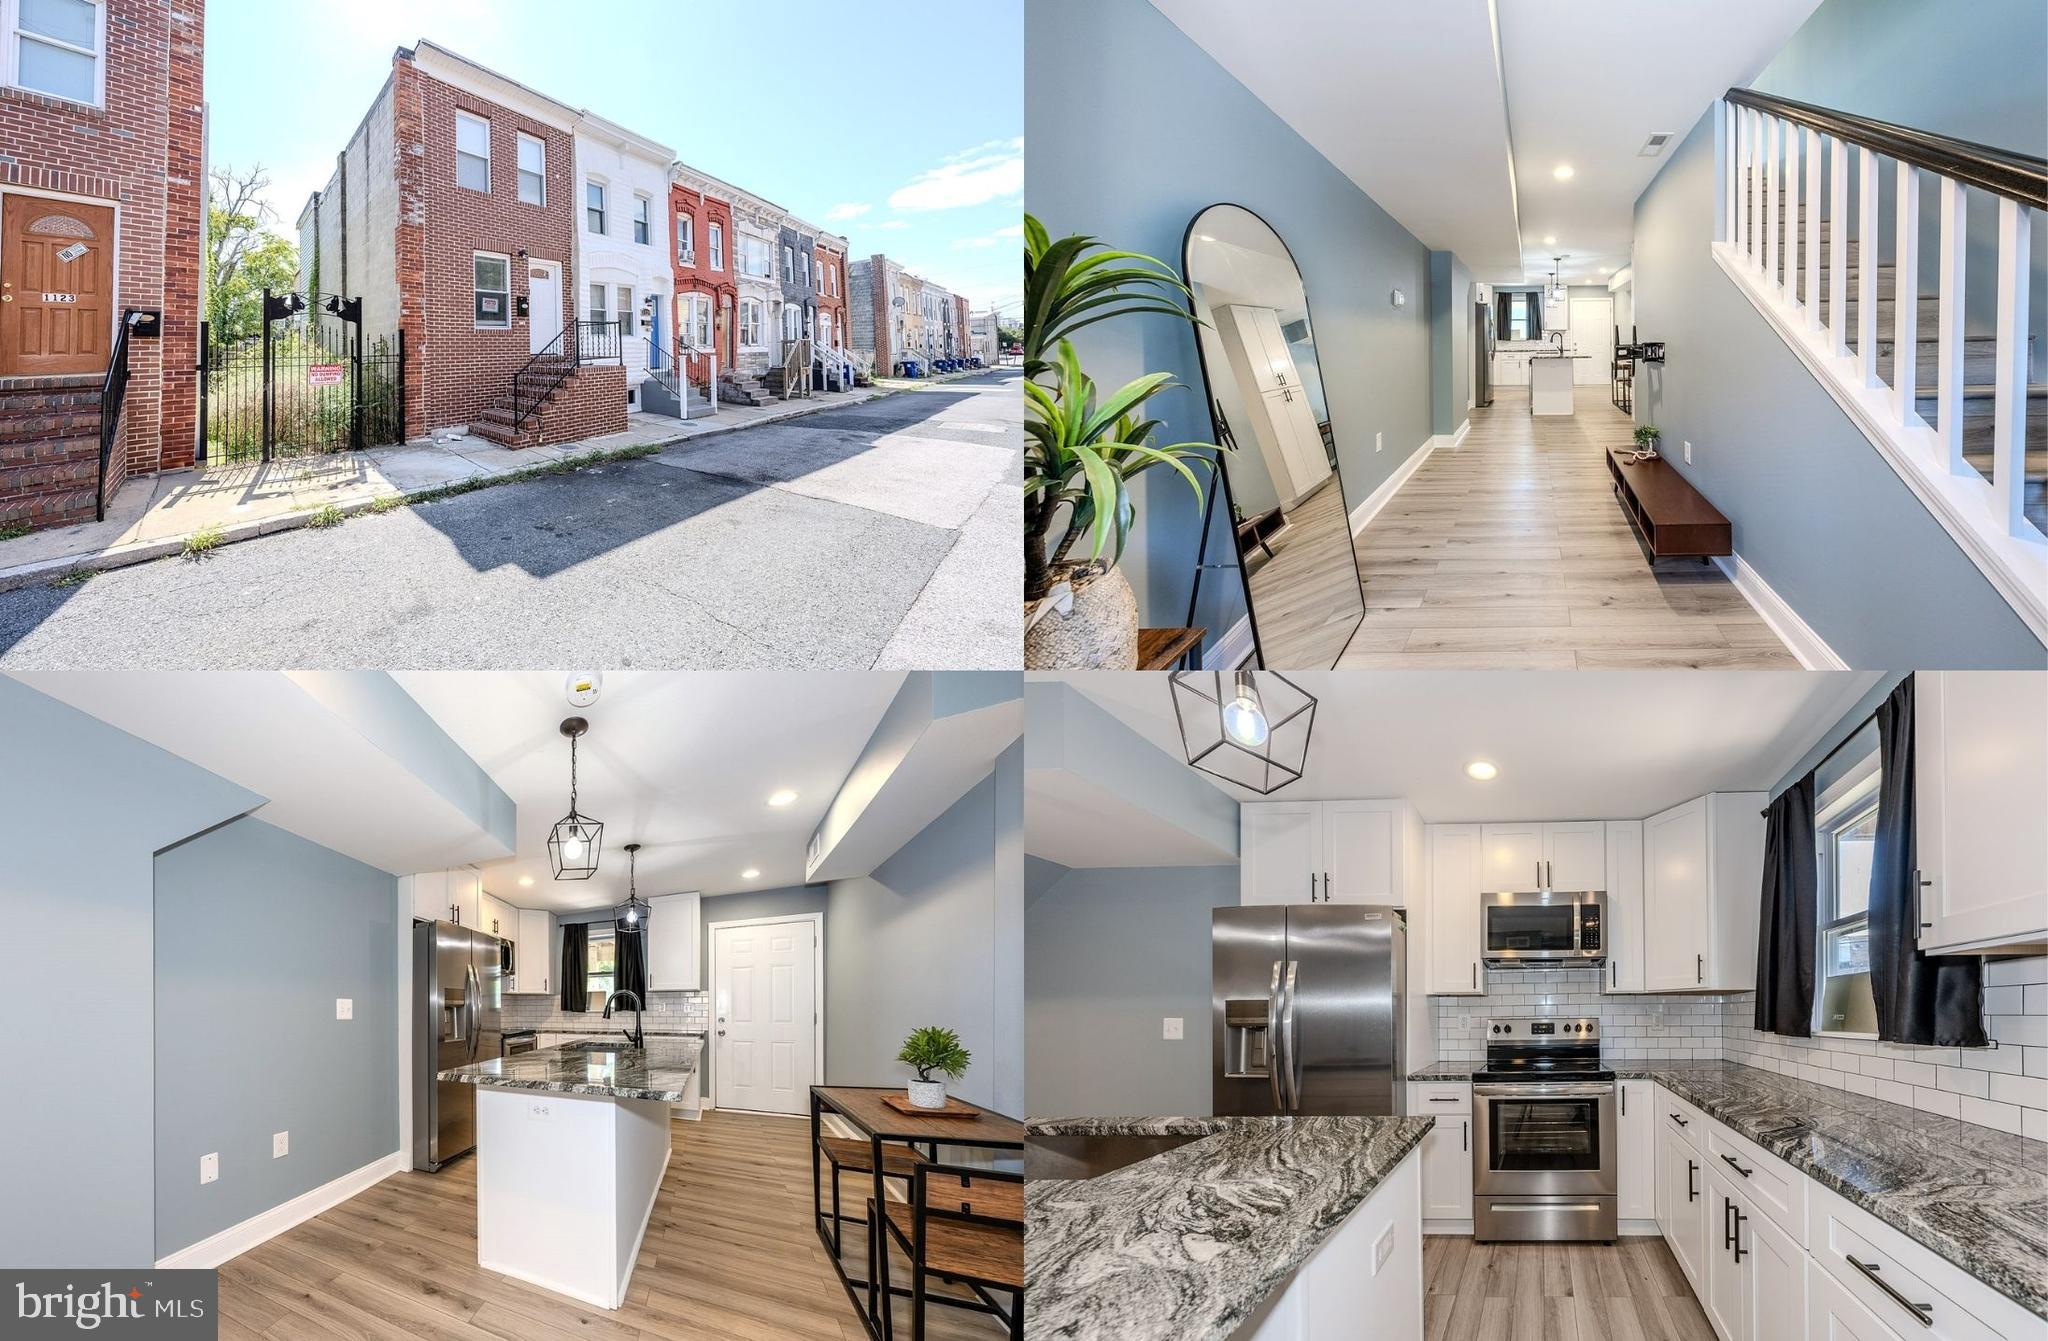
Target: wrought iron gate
308 384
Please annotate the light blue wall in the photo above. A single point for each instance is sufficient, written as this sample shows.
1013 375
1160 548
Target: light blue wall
83 808
1450 341
1816 511
1850 723
258 932
1108 955
1133 130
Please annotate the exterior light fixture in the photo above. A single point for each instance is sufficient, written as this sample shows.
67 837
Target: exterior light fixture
1248 728
574 841
1479 770
632 914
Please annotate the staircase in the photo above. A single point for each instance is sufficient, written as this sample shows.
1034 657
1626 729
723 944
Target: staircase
744 388
49 451
500 420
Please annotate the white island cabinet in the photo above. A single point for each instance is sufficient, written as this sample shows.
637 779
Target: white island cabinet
1370 1267
1550 383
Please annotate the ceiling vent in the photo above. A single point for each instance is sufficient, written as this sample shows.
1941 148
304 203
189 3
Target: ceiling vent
1655 144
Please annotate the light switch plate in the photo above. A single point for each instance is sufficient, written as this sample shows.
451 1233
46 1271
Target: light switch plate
209 1168
1173 1027
1382 1249
1688 453
280 1144
1379 441
344 1008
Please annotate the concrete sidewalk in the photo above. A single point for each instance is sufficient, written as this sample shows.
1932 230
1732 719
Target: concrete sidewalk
152 516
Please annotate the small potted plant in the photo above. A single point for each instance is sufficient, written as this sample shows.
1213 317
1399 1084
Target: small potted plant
1646 441
928 1051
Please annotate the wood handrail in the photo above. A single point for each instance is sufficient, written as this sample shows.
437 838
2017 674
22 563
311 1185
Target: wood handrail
2016 176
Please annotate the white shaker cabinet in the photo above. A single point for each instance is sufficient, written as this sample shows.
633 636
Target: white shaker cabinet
672 957
1447 1149
455 895
1361 841
429 896
1514 858
1636 1150
1280 852
1980 790
1755 1286
1562 856
1702 873
536 958
1324 852
1624 923
1682 1200
1455 940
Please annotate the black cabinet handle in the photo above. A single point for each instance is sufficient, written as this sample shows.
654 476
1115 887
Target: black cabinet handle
1729 1160
1699 968
1692 1190
1440 1100
1924 1312
1740 1251
1679 1120
1465 1136
1727 1223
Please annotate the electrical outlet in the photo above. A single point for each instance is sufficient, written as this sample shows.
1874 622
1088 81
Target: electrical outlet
1382 1249
344 1009
1173 1027
1379 441
280 1144
1688 453
540 1111
209 1168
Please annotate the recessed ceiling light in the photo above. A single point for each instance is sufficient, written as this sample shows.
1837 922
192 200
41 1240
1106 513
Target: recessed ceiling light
525 882
1481 771
1563 172
1550 242
1606 269
782 798
750 874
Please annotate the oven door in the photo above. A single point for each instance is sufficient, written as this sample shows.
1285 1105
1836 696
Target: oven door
1531 931
1543 1139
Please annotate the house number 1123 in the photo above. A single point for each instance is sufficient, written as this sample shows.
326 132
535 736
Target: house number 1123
60 297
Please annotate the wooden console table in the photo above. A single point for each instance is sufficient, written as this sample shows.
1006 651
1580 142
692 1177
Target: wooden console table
1672 519
1162 649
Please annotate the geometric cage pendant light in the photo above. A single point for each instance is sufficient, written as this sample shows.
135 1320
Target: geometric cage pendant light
574 842
1251 729
632 914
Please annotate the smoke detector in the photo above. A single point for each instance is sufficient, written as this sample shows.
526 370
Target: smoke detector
583 688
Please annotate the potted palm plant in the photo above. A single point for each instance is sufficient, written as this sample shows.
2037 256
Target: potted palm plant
928 1051
1082 449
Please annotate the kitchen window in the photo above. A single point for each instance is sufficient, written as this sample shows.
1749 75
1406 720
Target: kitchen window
1845 841
593 206
493 275
533 170
56 47
601 965
643 226
472 152
717 247
686 239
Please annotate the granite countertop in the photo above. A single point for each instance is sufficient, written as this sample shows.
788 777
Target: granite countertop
1186 1244
1974 1196
660 1071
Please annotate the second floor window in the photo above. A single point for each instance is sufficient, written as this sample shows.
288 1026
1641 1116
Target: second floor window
643 225
593 206
533 170
686 239
803 266
472 152
755 257
56 47
789 263
717 247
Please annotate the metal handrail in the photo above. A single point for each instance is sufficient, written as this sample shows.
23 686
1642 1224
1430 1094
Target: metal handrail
2016 176
576 344
113 399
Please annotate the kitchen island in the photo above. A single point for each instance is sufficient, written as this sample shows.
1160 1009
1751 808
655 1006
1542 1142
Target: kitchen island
571 1146
1257 1228
1550 383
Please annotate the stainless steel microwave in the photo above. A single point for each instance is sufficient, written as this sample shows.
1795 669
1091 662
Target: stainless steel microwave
1545 927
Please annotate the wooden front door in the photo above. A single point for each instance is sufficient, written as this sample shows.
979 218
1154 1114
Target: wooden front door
56 286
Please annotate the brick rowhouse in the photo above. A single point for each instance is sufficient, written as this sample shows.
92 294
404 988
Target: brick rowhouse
700 222
125 155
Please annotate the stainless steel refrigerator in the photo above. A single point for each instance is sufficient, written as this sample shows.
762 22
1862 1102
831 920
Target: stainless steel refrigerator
1482 354
458 999
1307 1001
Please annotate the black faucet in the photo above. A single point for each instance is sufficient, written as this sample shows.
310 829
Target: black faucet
637 1035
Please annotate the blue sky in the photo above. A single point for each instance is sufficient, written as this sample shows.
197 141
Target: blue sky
925 163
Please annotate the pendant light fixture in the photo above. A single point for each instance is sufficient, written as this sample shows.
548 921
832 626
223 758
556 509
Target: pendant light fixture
574 841
1250 728
632 914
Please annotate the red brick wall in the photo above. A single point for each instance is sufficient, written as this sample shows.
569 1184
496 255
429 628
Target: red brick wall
705 210
962 345
140 151
454 370
591 402
50 451
831 304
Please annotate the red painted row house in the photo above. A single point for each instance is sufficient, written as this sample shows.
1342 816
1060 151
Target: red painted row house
707 288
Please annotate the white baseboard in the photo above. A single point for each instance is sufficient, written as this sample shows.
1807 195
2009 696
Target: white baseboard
1229 651
1458 438
1460 1229
1362 515
1799 638
235 1240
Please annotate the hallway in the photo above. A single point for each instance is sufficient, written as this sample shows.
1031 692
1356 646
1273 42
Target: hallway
1509 552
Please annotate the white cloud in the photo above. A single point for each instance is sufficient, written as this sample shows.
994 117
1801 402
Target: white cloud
890 224
995 239
846 211
992 171
1014 230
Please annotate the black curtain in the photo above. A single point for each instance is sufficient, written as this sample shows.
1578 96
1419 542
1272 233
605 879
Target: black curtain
1535 316
575 959
1936 1000
631 972
1786 927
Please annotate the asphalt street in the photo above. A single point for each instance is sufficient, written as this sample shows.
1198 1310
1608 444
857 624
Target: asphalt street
880 534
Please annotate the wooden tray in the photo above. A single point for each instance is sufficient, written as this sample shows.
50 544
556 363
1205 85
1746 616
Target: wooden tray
953 1109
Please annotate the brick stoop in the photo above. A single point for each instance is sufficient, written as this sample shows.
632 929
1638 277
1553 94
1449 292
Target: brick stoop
589 402
49 450
497 421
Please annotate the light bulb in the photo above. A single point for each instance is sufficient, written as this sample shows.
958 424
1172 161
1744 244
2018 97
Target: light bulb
632 914
572 850
1244 718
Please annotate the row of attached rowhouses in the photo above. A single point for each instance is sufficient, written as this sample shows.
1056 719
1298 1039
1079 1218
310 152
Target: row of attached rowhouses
550 269
897 316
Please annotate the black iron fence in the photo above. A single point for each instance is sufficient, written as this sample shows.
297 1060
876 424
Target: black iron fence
308 384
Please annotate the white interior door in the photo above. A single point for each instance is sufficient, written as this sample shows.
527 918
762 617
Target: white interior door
1593 335
543 304
764 1016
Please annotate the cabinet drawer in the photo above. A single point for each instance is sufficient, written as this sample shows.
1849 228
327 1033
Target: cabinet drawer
1958 1306
1438 1097
1767 1182
1677 1115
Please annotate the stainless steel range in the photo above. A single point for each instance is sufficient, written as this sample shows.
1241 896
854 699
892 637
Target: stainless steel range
1544 1134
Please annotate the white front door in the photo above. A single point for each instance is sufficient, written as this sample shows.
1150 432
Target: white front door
543 303
1593 336
764 1016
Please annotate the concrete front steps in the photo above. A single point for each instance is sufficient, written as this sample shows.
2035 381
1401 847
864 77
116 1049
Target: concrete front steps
49 451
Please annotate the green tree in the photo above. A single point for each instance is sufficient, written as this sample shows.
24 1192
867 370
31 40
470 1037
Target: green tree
244 255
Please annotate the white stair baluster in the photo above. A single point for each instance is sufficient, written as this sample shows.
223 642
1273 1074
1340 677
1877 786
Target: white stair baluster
1791 244
1770 254
1749 185
1812 267
1838 247
1906 295
1948 365
1866 266
2009 422
1733 121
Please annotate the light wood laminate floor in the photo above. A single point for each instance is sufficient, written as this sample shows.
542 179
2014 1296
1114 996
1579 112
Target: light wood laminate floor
1510 551
730 1253
1629 1290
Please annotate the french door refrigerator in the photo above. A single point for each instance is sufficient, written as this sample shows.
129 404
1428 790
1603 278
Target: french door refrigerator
1307 1006
458 999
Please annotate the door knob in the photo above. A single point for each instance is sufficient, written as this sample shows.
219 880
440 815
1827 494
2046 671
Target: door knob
721 1033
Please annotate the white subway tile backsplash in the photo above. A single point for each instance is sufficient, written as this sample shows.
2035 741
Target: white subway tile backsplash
665 1010
1984 1112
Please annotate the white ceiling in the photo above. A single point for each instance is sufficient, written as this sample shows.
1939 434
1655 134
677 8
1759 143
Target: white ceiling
1081 824
1454 121
683 764
1234 257
1568 744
